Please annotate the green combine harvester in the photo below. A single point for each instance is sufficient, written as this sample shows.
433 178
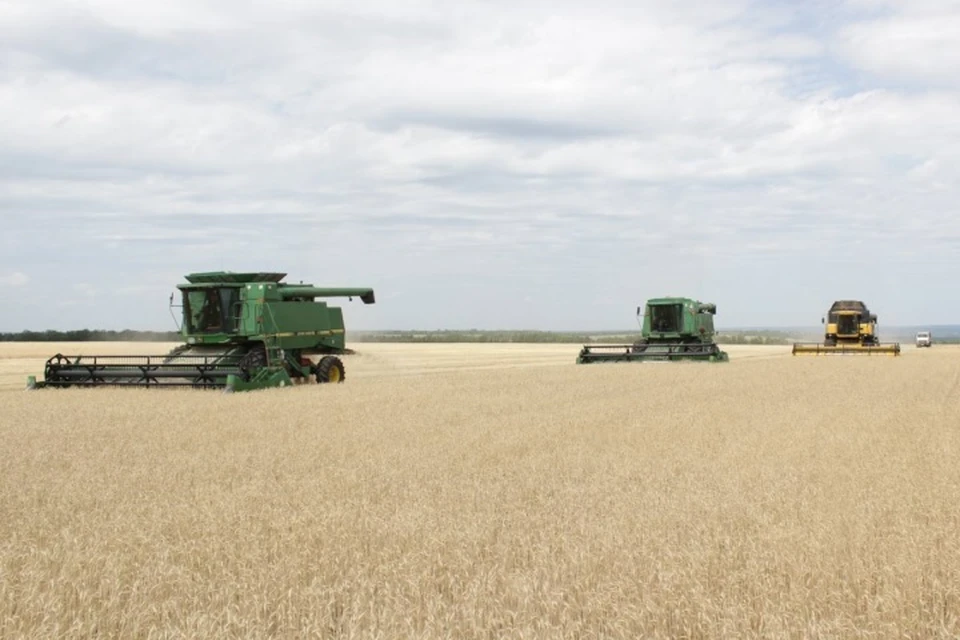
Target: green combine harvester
241 331
674 329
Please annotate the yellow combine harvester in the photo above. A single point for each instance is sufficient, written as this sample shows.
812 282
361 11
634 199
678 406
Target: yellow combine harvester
850 328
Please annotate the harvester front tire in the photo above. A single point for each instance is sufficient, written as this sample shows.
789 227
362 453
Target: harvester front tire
253 361
330 369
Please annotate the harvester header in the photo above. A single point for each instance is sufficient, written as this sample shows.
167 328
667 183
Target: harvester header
240 330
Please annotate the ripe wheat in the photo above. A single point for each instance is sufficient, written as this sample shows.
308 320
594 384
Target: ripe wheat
491 491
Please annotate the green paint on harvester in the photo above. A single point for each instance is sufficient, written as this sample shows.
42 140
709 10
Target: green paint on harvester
241 331
673 329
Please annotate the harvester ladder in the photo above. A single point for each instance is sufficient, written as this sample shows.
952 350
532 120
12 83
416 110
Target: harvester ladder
237 315
275 355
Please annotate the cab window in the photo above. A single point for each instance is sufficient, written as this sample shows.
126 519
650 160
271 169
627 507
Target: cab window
210 310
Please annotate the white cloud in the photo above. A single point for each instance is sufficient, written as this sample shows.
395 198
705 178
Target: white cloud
911 42
14 279
483 150
84 289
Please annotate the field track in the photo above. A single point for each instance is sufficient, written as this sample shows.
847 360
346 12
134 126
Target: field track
489 491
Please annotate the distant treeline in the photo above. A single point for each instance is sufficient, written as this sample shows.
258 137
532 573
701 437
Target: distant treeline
752 336
731 337
468 336
91 335
755 337
129 335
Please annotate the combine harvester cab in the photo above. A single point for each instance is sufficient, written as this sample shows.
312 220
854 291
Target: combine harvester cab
673 329
849 329
241 331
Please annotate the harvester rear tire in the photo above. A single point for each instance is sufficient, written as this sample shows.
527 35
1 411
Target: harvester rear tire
330 369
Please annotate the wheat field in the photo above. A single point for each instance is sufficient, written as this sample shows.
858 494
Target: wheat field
490 491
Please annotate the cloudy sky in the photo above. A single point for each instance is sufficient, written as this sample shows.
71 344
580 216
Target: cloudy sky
522 164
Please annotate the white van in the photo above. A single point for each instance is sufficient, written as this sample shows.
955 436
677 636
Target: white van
924 339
